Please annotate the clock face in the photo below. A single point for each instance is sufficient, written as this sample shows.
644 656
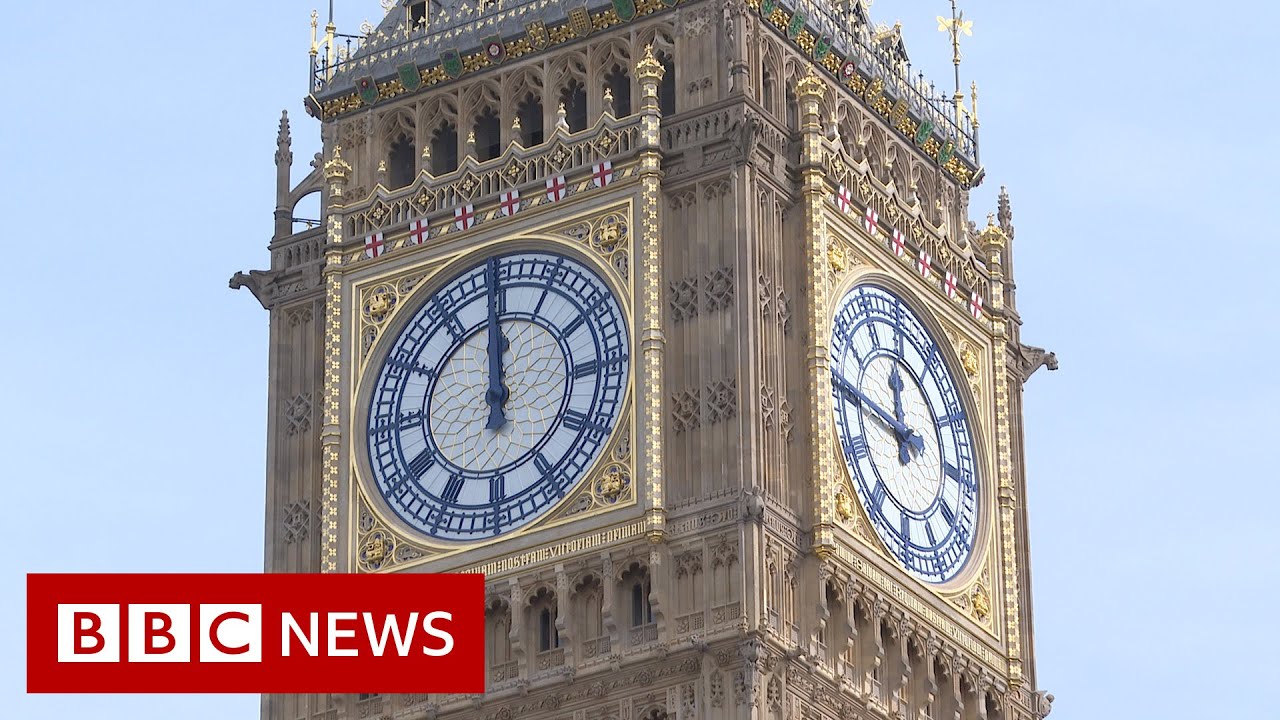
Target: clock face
498 395
905 435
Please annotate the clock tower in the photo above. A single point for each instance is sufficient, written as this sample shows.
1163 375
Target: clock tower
668 317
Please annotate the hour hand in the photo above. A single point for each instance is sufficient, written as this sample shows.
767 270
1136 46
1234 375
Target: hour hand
895 384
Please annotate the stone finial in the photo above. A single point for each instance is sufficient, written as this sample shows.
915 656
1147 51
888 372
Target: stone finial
608 101
471 143
811 86
562 121
649 67
336 168
284 140
515 124
1005 212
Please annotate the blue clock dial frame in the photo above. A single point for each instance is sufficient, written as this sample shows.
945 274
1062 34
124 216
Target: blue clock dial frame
904 432
497 395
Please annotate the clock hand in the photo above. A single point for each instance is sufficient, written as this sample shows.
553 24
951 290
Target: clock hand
496 395
903 432
895 383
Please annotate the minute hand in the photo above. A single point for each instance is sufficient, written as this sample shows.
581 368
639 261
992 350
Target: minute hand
903 432
496 395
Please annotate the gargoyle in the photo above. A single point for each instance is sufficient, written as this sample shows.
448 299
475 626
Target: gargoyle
1032 358
259 283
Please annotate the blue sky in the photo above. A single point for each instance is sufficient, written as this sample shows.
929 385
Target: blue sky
1136 139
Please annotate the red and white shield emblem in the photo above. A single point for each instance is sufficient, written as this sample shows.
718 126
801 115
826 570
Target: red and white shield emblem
419 231
602 173
509 202
899 243
844 199
556 188
464 217
975 305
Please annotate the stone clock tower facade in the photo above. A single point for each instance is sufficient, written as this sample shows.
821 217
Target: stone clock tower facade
668 317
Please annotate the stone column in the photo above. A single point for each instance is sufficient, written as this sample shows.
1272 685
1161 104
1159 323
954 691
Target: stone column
650 386
813 188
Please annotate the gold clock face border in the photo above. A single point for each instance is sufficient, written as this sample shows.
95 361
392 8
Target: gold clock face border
442 271
980 552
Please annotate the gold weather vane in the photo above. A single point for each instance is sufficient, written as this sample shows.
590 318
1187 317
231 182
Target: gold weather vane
957 25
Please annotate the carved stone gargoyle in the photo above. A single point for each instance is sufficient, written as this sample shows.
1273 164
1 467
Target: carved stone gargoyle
1032 358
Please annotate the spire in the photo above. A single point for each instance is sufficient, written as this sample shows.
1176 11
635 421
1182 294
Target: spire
284 163
283 140
1005 213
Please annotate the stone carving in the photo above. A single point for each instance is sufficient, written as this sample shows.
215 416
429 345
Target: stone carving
717 288
684 410
711 292
684 299
715 689
785 421
1032 358
782 303
297 521
297 414
768 410
721 401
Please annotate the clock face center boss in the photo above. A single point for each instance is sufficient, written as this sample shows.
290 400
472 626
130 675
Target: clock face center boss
905 435
498 395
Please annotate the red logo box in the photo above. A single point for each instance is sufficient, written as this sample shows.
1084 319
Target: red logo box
251 633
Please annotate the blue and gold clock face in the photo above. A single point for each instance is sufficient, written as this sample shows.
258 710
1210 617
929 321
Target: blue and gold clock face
905 435
498 395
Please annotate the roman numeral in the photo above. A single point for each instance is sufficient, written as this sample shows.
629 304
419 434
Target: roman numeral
401 364
497 488
450 318
905 526
858 447
421 464
586 369
452 489
573 326
958 475
928 531
878 496
540 461
576 421
947 513
946 420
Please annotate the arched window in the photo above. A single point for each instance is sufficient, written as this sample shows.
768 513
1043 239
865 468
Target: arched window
444 149
768 91
641 608
619 84
530 114
401 162
667 90
574 98
548 636
488 135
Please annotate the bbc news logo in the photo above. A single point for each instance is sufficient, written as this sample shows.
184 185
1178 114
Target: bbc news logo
255 633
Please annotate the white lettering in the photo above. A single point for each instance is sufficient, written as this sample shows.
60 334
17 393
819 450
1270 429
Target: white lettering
335 633
310 641
390 626
442 635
